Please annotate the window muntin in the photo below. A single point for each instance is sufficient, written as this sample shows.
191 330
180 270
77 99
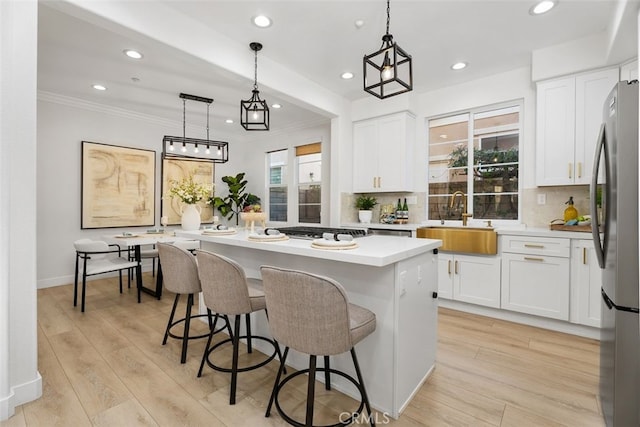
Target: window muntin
488 176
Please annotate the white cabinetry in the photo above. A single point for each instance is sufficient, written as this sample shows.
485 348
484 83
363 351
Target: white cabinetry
535 275
586 281
469 278
383 154
568 118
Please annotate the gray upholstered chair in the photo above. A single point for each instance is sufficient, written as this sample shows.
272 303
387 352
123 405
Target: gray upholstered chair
227 290
180 275
312 314
97 258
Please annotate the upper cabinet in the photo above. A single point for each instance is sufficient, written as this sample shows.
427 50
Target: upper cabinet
383 154
568 118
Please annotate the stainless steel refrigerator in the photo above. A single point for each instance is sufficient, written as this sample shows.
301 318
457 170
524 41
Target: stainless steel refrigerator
615 172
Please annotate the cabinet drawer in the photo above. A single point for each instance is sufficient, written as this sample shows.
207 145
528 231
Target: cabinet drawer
545 246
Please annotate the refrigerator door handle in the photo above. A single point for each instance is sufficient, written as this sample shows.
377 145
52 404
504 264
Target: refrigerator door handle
595 229
610 304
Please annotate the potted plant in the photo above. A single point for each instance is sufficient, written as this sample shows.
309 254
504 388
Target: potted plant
365 205
237 200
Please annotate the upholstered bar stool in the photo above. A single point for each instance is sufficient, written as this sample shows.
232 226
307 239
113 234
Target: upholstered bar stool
312 314
227 290
180 275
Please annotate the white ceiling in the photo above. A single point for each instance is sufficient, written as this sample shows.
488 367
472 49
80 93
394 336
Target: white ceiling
316 39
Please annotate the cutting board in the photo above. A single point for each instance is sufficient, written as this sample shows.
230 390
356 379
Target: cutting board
562 227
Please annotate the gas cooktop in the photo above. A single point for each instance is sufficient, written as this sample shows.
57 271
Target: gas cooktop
303 232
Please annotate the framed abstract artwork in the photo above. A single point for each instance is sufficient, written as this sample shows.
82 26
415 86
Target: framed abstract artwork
174 169
118 186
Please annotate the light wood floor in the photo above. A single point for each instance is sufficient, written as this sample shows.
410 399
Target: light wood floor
106 367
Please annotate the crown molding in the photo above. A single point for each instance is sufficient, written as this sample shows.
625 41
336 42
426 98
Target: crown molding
69 101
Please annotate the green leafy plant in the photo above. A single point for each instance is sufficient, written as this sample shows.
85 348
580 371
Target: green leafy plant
366 203
235 202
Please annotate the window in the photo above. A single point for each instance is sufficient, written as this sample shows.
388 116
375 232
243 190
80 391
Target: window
277 161
475 153
296 197
309 161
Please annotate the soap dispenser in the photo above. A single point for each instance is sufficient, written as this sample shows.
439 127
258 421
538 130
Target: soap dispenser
570 212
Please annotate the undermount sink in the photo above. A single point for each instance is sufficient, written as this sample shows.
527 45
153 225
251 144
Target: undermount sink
472 240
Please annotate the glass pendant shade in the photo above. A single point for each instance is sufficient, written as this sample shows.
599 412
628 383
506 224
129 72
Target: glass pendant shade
389 71
254 112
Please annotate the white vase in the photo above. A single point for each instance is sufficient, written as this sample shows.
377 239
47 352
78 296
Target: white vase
365 216
190 217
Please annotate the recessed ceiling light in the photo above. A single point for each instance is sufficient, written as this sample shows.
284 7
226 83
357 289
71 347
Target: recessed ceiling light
262 21
133 54
99 87
459 66
542 7
347 75
228 121
276 106
359 23
444 136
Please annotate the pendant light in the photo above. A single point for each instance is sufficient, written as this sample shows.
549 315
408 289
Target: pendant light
388 71
254 113
188 148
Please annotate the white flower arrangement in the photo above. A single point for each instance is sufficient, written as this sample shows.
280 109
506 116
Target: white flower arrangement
189 191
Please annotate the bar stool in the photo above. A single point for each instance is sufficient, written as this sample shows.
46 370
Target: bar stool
311 314
228 291
180 275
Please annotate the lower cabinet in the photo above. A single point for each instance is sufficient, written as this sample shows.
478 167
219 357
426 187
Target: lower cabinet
469 278
586 281
535 275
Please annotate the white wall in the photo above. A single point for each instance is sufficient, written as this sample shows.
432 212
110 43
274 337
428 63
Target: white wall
64 122
252 161
20 381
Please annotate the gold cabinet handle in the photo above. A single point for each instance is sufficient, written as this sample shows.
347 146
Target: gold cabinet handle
584 256
570 170
530 245
456 267
374 181
579 169
449 266
379 182
528 258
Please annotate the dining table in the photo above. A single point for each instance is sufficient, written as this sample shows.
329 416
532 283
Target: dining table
134 240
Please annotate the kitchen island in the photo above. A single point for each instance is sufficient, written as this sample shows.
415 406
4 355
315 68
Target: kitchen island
395 277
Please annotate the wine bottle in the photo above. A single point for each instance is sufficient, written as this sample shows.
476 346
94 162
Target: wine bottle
405 212
398 213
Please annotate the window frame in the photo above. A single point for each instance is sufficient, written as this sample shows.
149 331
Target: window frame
472 115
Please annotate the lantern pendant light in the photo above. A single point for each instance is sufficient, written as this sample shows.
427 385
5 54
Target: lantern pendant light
254 113
388 71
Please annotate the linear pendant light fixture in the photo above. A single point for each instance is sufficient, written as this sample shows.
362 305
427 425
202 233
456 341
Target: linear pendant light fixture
389 71
254 113
194 148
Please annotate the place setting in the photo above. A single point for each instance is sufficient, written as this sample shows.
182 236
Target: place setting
334 241
219 230
269 235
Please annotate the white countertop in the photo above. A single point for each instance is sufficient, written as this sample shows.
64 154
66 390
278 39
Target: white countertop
410 227
543 232
375 251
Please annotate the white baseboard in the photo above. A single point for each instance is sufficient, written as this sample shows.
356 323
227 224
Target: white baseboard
525 319
67 280
19 395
